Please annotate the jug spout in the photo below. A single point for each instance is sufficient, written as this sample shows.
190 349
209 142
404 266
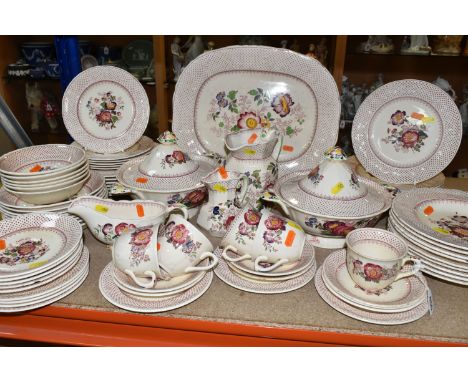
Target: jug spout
258 140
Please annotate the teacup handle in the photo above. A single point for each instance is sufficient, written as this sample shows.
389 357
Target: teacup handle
178 207
213 263
147 285
232 259
243 191
259 259
416 267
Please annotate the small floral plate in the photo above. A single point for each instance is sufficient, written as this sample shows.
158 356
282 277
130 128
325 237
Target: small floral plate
406 131
105 109
364 315
244 87
400 296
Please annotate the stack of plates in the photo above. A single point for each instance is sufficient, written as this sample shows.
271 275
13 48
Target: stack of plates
406 300
44 174
107 164
121 291
42 260
11 205
434 224
288 277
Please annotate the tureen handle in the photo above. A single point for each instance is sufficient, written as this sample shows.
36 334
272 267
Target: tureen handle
178 207
213 263
149 284
240 195
267 196
234 259
259 259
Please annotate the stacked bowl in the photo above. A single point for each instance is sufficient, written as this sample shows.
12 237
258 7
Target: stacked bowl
107 164
434 224
42 259
44 174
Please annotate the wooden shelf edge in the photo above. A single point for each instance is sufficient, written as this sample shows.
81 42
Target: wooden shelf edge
63 325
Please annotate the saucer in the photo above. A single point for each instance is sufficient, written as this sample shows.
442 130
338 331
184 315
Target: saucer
115 296
263 279
225 274
403 294
367 316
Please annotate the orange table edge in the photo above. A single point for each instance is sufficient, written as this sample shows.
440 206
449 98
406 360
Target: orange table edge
86 327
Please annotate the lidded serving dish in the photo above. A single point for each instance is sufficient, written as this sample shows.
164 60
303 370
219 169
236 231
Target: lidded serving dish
331 200
166 175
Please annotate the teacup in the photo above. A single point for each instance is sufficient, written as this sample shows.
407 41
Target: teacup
135 252
375 257
263 237
181 246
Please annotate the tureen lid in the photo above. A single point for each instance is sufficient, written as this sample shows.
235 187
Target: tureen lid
167 159
332 189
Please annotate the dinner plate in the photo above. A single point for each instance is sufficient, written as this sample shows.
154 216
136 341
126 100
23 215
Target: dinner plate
105 109
402 295
364 315
117 297
270 87
406 131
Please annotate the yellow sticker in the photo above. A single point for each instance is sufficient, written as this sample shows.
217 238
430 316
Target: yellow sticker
250 151
37 264
441 230
101 208
295 225
337 188
428 119
219 187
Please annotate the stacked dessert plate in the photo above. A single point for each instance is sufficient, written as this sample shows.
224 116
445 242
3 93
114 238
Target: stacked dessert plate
44 174
42 259
434 224
107 164
288 277
11 205
120 290
404 301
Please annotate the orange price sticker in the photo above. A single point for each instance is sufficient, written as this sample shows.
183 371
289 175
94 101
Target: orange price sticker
158 246
290 238
36 168
222 171
287 148
428 210
142 180
417 115
252 138
2 244
140 210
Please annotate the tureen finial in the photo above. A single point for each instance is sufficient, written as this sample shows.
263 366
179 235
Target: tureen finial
168 137
336 153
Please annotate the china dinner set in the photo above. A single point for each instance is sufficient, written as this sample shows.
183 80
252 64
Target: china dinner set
42 260
251 160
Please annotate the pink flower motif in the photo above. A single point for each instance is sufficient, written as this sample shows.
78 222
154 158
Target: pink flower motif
251 217
107 228
179 234
178 156
104 116
142 237
398 118
26 248
248 120
194 198
275 222
373 271
410 138
243 228
282 103
338 228
228 221
120 228
269 236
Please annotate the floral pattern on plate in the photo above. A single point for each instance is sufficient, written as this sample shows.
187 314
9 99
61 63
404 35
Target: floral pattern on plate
233 111
179 236
248 227
109 232
106 109
23 251
140 239
456 225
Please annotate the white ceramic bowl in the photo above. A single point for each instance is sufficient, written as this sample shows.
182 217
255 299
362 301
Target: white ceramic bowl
48 186
56 179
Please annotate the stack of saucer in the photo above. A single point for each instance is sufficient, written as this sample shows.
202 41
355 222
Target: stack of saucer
404 301
107 164
434 225
11 205
287 277
44 174
42 259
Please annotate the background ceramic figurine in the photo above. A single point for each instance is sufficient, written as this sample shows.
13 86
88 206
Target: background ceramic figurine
295 46
311 53
377 44
40 106
284 44
322 51
417 44
210 46
447 45
445 85
177 57
195 48
464 110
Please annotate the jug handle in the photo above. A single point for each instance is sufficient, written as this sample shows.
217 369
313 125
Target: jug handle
213 263
267 196
147 285
178 207
240 195
280 147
